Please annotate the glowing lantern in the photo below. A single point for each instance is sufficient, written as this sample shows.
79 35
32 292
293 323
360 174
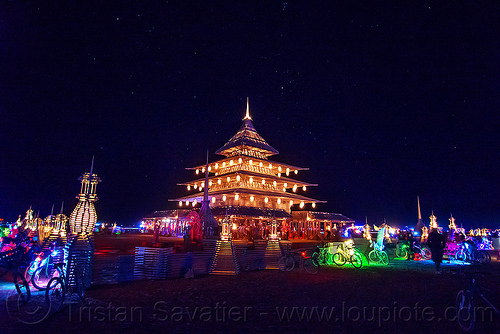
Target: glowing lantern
279 169
187 202
224 198
263 181
213 199
203 170
236 197
209 183
279 201
250 162
216 165
202 185
304 188
195 202
266 199
189 187
223 164
314 205
285 184
180 203
231 162
301 205
294 188
219 181
291 202
238 178
260 165
240 160
287 171
251 198
296 171
235 226
270 166
228 179
209 168
274 183
279 174
251 179
197 172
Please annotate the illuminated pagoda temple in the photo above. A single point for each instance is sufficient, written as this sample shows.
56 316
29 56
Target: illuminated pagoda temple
248 187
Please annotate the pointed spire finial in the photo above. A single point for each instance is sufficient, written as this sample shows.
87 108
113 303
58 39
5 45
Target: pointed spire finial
247 115
52 211
92 166
62 206
418 205
205 188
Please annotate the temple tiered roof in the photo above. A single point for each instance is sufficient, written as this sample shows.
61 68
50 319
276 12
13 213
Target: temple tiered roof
246 177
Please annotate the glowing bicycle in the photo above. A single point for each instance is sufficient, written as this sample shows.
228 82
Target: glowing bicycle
70 281
41 270
378 255
347 252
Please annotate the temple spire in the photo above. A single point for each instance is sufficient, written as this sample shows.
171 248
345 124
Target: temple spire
92 166
418 205
247 115
205 188
62 206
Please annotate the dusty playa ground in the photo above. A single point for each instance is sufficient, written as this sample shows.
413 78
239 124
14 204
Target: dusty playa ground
404 297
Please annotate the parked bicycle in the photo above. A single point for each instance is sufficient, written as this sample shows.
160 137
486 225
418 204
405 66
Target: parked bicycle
42 269
419 252
11 261
70 281
346 252
309 263
324 256
468 252
467 312
378 255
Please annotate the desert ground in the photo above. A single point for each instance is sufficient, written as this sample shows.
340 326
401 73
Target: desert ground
403 297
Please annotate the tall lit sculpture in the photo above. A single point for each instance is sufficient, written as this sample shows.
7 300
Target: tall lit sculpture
84 217
433 224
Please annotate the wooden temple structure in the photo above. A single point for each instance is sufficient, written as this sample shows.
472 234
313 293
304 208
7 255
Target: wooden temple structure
248 187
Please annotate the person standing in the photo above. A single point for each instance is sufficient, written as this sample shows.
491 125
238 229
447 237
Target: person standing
436 242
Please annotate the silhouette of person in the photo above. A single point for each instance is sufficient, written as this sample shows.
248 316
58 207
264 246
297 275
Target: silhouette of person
437 243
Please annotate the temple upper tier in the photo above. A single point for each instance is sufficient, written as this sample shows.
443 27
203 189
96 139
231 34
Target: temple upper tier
246 177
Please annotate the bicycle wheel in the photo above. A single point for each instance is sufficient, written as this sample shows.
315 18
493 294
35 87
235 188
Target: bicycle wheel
483 257
356 260
30 270
383 258
55 294
461 255
315 259
339 259
373 256
42 275
310 266
464 306
417 256
286 263
401 252
22 287
426 253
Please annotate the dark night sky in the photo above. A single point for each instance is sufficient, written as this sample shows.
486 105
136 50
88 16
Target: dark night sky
383 101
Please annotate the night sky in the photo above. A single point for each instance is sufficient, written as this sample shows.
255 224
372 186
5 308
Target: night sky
383 101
